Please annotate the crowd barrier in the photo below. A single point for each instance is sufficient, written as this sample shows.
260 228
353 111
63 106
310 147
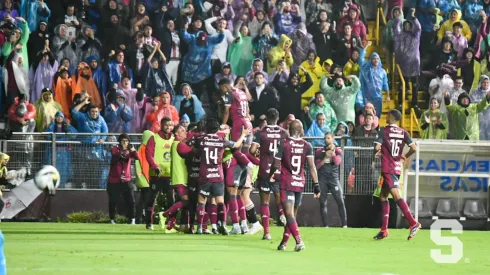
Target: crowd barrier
83 162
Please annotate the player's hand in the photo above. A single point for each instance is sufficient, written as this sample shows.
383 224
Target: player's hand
378 154
245 132
316 191
157 171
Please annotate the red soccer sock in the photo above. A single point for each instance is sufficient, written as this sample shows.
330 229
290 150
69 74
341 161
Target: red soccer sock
174 209
200 215
265 214
286 235
293 227
222 213
385 214
242 212
233 208
213 213
406 212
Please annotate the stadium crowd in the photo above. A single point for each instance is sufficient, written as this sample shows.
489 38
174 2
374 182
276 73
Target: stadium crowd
120 66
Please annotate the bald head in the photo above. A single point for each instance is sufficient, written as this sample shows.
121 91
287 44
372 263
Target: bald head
295 128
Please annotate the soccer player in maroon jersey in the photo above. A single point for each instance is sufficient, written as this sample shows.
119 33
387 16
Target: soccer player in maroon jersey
390 142
236 106
267 139
212 147
292 155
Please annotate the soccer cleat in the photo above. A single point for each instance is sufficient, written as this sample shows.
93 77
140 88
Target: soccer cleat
191 230
381 235
256 227
149 226
162 220
170 225
413 230
113 222
214 231
199 231
299 247
345 226
281 247
235 230
207 232
244 227
222 230
283 220
267 237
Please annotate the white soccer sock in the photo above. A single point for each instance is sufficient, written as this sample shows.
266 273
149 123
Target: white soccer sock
214 226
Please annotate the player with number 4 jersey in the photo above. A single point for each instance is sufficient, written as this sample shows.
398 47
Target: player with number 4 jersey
390 142
292 156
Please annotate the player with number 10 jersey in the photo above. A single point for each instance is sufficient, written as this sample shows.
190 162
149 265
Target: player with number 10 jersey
237 101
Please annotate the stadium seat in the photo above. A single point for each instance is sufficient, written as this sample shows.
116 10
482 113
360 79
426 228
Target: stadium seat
424 210
474 209
447 209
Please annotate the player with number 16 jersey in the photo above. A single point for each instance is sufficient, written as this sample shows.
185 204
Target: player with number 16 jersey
392 140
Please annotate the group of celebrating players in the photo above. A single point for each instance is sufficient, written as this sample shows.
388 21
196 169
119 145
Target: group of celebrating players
213 158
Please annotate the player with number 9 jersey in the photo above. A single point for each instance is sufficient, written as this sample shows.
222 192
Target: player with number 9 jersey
392 140
293 153
237 101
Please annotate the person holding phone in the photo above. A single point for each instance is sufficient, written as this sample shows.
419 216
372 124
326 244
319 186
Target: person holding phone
120 176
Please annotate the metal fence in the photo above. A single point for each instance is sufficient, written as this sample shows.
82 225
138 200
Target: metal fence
83 162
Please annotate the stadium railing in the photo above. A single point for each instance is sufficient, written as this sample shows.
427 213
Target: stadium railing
85 165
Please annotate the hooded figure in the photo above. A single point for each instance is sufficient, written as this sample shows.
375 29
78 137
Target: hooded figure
98 75
239 52
471 11
157 79
226 72
63 92
63 150
34 12
8 46
388 36
255 25
318 129
257 66
320 105
342 98
196 65
358 27
88 45
264 41
477 96
465 125
46 109
302 44
15 78
118 115
83 81
280 52
41 74
453 17
470 72
342 131
117 69
438 86
406 47
434 122
187 104
374 81
135 102
63 46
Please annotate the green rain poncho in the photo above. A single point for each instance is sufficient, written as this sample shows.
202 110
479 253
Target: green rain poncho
327 110
438 126
342 99
465 119
240 55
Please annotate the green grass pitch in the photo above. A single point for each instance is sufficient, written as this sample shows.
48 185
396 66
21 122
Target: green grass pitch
55 249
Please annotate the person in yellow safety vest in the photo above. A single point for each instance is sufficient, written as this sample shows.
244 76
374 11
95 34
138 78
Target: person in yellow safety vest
158 155
179 182
143 177
4 160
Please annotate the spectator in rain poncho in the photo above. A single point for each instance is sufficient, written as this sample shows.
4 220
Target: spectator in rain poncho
388 36
157 79
161 110
63 151
257 66
482 38
83 81
134 101
256 24
478 95
472 10
465 124
118 115
369 109
433 122
34 11
322 106
64 46
117 69
15 78
285 21
318 129
63 92
283 71
438 86
99 76
342 98
8 8
453 17
17 42
374 81
46 109
471 71
227 71
290 92
280 52
302 44
354 19
41 73
407 54
88 45
185 121
447 7
264 41
21 115
240 52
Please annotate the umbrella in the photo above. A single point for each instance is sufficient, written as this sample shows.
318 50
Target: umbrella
19 198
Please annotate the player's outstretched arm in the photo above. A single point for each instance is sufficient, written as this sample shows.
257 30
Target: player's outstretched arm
239 142
314 176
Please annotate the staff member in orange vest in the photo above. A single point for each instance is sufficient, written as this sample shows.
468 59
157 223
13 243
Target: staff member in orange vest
158 155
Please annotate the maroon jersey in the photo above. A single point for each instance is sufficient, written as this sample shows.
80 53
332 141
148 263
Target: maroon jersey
293 153
268 139
193 160
392 140
238 102
212 148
